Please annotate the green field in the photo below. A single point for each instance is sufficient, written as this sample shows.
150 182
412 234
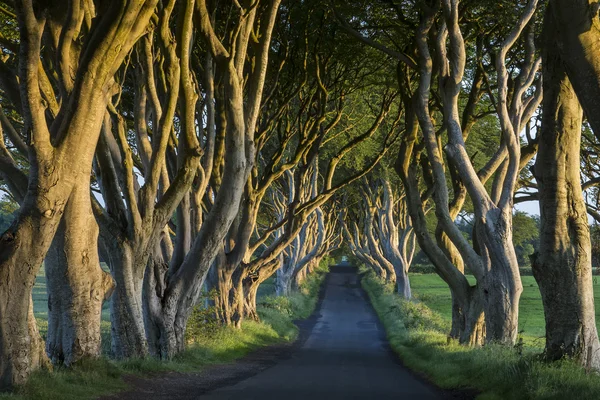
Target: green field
431 290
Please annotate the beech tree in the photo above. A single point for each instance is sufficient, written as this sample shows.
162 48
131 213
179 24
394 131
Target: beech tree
563 265
60 156
300 119
173 292
134 218
386 241
452 250
193 144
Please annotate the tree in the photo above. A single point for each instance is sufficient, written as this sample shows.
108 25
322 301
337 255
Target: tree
493 256
60 155
525 236
386 241
171 293
135 215
563 265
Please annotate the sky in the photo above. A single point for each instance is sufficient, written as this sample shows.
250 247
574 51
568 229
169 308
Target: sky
530 207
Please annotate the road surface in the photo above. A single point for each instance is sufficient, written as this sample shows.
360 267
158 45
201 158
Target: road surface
345 356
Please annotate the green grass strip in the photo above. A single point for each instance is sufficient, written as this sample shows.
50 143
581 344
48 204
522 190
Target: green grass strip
419 336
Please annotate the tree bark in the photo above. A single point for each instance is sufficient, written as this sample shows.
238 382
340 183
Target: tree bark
128 338
501 285
577 39
250 287
285 275
472 325
562 266
169 311
59 157
467 313
77 286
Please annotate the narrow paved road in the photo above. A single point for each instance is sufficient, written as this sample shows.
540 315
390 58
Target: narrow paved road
345 357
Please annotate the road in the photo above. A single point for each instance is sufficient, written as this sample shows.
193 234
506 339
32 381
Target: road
345 356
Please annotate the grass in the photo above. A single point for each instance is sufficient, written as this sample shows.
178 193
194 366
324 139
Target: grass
417 331
209 344
431 290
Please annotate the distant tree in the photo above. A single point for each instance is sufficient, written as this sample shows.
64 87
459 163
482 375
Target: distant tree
7 212
526 234
595 239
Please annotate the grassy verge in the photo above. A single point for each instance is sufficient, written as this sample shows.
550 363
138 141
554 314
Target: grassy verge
210 343
419 336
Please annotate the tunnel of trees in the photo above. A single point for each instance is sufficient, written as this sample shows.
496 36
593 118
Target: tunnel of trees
155 149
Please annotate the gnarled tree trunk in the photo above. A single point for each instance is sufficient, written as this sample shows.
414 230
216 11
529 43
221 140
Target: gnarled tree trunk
501 285
59 157
127 324
562 266
77 286
251 283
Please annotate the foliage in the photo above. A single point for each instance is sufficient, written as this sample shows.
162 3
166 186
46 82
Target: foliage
526 234
203 322
7 212
419 336
595 239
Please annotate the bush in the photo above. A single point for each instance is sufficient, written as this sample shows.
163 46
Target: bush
525 271
202 323
279 303
422 269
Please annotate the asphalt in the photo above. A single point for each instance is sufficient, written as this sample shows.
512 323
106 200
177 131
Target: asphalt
345 356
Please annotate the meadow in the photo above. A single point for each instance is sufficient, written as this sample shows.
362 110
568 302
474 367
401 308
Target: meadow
433 292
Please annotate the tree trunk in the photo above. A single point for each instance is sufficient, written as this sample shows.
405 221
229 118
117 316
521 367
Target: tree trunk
23 248
250 290
562 266
298 279
467 310
154 284
251 284
283 283
577 34
127 324
472 330
403 283
224 288
60 156
36 344
236 296
314 264
501 284
183 286
76 284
